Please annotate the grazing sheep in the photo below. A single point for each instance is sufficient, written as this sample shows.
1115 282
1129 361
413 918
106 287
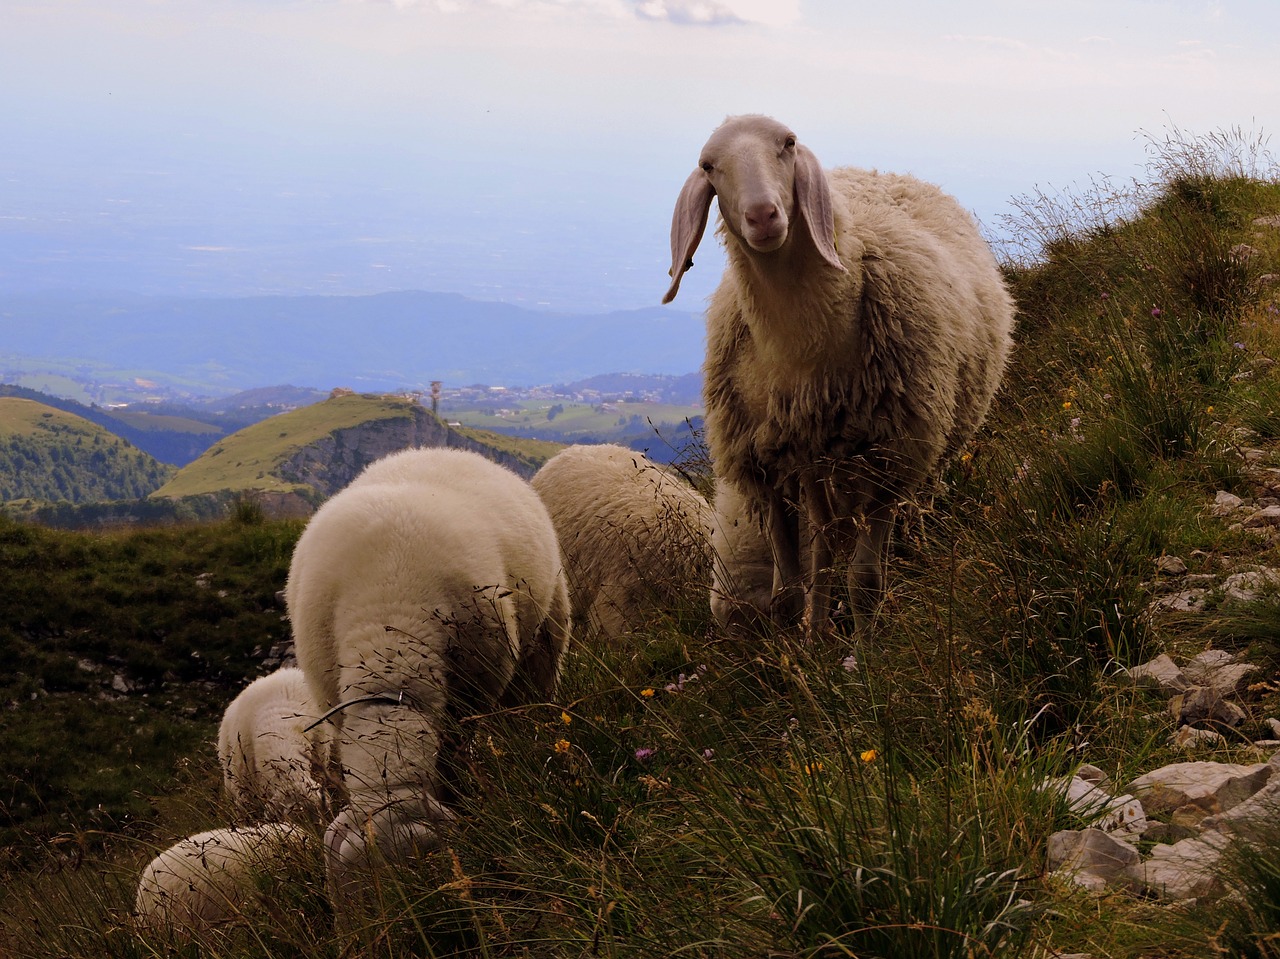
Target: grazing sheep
270 766
741 565
854 343
634 537
428 590
211 879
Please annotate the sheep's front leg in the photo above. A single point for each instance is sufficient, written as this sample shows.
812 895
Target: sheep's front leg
782 530
821 531
867 568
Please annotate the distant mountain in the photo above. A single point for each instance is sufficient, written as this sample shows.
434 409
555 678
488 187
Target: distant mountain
48 455
368 343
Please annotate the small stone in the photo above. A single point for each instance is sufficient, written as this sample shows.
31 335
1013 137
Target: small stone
1225 503
1171 566
1169 832
1248 585
1188 737
1160 673
1267 516
1092 774
1201 704
1185 870
1090 857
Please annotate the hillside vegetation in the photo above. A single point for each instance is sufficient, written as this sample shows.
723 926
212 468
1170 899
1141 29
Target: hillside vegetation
694 795
46 454
314 451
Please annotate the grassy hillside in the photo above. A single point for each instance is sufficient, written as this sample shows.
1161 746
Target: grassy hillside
250 459
562 422
48 455
531 452
120 650
695 795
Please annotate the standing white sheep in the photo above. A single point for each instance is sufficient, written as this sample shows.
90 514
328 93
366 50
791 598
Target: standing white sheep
428 590
856 340
211 879
634 537
272 766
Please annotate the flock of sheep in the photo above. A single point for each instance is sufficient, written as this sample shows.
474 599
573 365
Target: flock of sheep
853 346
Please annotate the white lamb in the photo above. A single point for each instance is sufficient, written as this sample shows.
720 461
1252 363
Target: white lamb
212 879
272 767
856 340
428 590
634 537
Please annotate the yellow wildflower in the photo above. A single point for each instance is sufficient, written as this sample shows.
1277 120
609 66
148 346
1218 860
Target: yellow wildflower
647 693
565 718
868 756
562 745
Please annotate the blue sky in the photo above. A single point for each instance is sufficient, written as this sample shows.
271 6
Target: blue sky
530 150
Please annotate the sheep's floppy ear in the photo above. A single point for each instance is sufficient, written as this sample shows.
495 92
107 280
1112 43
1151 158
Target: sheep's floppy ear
687 225
813 197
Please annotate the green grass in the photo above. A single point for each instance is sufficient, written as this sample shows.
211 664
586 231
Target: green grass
689 794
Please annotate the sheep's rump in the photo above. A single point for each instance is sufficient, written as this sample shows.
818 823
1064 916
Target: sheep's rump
634 537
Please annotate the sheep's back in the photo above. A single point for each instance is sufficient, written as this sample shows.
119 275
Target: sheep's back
630 532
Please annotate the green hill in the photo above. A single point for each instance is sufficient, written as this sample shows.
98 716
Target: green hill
52 456
294 460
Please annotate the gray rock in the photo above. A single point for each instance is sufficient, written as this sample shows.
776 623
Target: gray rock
1218 670
1184 870
1268 516
1119 815
1188 737
1248 585
1184 601
1171 566
1257 818
1213 787
1090 857
1200 704
1160 673
1225 503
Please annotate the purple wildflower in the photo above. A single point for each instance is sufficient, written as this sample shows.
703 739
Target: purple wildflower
644 753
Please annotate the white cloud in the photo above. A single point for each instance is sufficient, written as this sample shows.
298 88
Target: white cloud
712 12
694 12
680 12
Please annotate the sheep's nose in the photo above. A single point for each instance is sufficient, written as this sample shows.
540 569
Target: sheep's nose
762 215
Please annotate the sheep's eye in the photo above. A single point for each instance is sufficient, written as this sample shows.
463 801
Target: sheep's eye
706 166
789 143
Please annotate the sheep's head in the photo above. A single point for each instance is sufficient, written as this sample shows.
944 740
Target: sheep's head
762 178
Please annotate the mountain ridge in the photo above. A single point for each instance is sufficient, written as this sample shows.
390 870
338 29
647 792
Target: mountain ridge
376 342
